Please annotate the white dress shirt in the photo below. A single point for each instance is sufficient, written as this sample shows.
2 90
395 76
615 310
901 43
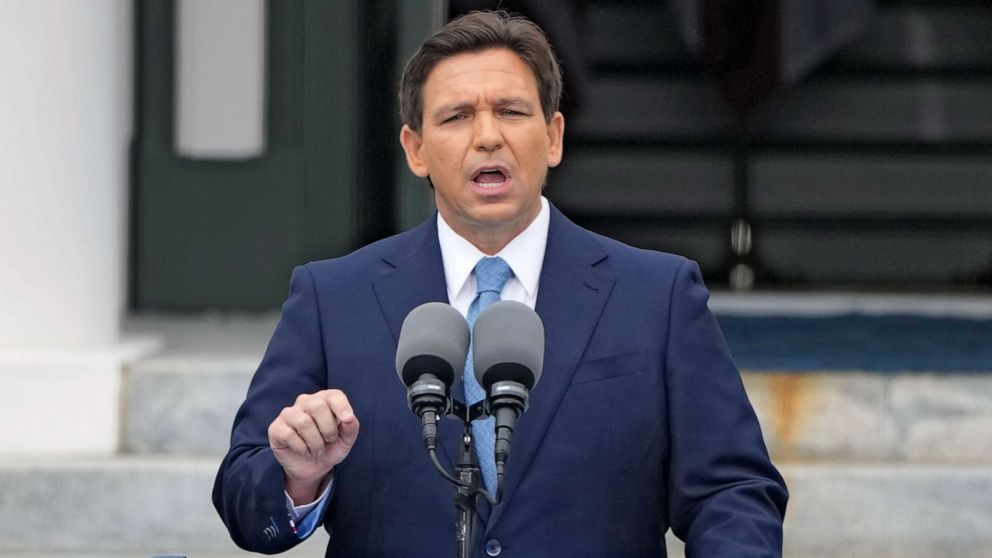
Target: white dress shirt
524 254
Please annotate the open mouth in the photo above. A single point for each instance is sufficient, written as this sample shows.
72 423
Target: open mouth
489 178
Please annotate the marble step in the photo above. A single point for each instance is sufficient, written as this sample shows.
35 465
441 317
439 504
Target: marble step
142 506
133 506
184 405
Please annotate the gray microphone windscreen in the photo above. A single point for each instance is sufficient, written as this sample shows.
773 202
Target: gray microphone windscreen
508 341
433 340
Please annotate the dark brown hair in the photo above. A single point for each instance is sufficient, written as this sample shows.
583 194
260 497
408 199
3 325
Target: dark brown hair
475 32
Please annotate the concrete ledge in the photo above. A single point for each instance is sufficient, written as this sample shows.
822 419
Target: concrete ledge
889 511
182 401
145 506
923 418
140 506
184 406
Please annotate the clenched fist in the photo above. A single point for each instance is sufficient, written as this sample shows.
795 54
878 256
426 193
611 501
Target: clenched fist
310 438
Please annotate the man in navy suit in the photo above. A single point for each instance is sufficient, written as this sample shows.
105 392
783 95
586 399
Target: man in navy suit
640 421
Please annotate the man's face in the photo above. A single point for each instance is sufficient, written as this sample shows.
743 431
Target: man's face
484 144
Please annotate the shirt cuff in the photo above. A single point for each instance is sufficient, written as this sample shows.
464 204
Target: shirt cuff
308 516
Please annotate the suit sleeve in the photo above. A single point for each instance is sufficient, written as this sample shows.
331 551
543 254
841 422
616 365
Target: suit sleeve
725 496
249 489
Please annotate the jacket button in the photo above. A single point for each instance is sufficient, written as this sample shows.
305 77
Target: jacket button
493 547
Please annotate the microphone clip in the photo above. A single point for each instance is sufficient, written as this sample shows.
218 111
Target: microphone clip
507 394
468 413
429 394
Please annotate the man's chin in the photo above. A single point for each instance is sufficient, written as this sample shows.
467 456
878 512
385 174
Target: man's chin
499 214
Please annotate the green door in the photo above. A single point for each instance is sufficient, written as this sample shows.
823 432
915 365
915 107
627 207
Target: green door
225 235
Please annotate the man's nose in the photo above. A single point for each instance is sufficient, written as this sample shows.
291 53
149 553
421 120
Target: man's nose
487 134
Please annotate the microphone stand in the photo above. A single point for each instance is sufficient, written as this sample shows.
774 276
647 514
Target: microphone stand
429 399
469 478
467 472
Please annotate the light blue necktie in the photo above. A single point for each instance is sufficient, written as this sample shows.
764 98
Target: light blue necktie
490 276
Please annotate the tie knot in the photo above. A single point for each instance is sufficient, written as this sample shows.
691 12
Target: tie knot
491 274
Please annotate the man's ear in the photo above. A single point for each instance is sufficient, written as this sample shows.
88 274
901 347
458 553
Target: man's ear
556 134
412 145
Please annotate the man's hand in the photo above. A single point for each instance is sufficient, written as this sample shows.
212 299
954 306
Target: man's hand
310 438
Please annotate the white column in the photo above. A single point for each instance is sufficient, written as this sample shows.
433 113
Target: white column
65 124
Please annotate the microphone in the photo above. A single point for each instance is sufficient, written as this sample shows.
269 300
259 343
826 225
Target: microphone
508 358
433 345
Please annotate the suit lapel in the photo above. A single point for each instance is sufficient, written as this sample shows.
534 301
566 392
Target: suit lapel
417 278
570 300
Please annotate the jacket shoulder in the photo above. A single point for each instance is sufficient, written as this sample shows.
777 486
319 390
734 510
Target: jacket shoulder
625 259
600 250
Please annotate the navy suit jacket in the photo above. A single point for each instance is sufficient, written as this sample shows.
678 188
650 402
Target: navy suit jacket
640 421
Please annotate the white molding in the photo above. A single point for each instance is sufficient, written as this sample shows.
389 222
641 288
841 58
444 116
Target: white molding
833 304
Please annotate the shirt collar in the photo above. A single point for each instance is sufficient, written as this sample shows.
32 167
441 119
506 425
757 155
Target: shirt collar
524 254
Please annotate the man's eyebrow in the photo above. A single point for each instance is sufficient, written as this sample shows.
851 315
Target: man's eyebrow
501 102
514 101
452 108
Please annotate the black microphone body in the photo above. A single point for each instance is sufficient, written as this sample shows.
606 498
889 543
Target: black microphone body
507 409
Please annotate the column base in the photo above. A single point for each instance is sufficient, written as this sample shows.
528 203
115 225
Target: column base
64 401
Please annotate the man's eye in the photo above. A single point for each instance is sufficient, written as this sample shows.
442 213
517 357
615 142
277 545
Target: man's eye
510 112
455 117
